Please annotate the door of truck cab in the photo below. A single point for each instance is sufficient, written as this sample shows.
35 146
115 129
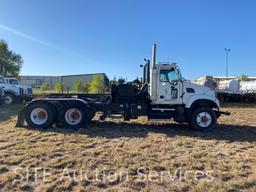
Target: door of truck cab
169 87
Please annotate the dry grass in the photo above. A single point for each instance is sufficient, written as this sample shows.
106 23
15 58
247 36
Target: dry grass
228 153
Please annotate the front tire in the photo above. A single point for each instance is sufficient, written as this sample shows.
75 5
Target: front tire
203 119
9 99
40 115
73 116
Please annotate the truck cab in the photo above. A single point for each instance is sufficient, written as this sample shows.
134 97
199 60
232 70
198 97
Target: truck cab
169 91
170 88
167 85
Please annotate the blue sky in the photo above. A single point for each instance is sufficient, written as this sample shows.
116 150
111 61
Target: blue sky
61 37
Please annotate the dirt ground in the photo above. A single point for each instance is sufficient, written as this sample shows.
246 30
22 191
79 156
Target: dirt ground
130 156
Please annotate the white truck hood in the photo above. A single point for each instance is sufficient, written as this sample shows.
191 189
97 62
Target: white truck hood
199 89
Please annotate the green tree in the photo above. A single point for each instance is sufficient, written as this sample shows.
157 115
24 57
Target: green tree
97 84
243 77
44 86
58 87
86 87
78 86
10 62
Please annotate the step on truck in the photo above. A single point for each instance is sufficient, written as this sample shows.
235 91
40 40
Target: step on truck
164 94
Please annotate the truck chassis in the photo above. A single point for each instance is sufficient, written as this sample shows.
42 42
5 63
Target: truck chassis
73 111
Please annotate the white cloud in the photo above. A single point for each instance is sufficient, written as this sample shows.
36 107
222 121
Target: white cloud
45 43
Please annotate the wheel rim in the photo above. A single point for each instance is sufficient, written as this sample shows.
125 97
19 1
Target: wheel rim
204 119
39 116
73 116
8 100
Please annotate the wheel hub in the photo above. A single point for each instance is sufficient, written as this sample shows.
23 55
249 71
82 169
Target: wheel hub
8 100
39 116
73 116
204 119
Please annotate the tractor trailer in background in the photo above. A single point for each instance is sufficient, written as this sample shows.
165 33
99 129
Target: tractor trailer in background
164 94
232 89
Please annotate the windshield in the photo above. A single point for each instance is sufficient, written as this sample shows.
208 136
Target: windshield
167 75
1 80
14 81
181 77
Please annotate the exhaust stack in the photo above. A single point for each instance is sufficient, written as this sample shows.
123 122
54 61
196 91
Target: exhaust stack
154 56
153 76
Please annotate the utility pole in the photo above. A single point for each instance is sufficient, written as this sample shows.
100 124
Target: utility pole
227 50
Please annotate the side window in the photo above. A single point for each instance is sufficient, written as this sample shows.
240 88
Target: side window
163 76
167 75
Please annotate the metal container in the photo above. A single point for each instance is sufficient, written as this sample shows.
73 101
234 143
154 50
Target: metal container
208 82
248 86
228 85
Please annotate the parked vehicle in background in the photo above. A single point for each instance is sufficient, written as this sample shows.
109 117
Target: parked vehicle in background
14 92
232 89
1 91
208 82
27 92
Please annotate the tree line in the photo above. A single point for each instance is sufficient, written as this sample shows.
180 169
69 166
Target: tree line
10 62
95 85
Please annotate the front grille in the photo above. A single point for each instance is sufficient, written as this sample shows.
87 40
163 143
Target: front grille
29 91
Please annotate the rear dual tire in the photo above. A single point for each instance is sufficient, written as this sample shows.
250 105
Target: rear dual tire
73 116
40 115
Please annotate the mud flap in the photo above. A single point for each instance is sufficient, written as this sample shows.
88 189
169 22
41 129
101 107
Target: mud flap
21 118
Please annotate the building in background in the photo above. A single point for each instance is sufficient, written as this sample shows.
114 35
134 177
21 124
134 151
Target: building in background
67 80
36 81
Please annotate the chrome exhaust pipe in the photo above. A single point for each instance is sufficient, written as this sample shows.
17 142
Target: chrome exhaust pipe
154 56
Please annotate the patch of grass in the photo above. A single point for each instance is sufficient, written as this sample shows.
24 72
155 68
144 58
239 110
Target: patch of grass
228 153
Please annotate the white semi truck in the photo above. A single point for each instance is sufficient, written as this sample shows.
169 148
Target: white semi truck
14 92
165 94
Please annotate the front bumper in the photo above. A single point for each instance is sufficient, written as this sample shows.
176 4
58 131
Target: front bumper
219 113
